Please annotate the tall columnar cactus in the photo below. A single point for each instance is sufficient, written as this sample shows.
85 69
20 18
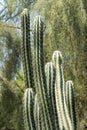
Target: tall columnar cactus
27 50
41 88
50 80
28 109
70 101
64 121
37 116
48 102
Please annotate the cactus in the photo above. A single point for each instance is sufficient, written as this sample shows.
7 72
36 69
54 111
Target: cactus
48 102
40 74
70 97
50 80
28 109
27 50
37 115
64 119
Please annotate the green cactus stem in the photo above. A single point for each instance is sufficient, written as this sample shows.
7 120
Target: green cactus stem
50 80
26 50
70 99
37 116
28 109
64 119
41 88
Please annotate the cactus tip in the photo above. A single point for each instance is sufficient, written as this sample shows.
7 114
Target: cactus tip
25 11
57 57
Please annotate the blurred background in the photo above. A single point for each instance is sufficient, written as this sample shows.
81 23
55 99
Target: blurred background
66 30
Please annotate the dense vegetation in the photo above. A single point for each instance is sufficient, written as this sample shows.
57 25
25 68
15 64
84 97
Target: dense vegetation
66 30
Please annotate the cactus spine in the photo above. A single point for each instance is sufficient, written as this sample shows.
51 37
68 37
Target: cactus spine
48 102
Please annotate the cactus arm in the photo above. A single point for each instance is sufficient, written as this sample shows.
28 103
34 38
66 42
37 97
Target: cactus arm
58 89
26 49
31 109
37 116
50 80
58 110
70 97
37 73
40 74
25 111
28 105
60 96
26 40
23 51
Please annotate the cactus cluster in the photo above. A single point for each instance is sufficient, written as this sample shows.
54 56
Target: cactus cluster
48 102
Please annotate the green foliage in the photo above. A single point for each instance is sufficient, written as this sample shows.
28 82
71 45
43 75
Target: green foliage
7 105
13 48
10 105
10 49
20 82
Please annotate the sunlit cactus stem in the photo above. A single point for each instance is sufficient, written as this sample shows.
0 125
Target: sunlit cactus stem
70 100
28 109
50 73
37 116
64 119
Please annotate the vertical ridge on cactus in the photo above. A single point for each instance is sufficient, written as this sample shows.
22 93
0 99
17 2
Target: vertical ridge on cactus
25 111
31 108
37 116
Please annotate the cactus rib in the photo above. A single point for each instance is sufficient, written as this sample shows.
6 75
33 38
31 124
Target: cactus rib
37 116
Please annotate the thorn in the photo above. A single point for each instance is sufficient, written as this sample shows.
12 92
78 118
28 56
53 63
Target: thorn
44 27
